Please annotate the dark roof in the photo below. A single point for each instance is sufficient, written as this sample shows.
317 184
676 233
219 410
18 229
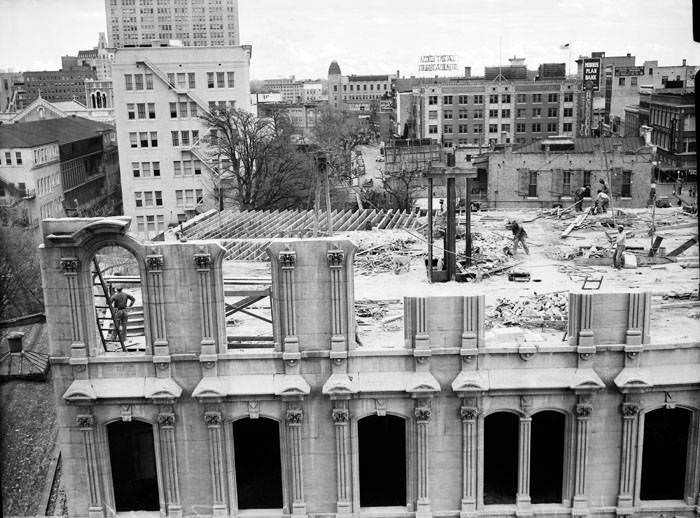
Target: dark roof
384 77
87 53
334 69
37 133
588 145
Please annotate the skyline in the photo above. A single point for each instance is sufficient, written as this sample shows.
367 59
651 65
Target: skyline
303 39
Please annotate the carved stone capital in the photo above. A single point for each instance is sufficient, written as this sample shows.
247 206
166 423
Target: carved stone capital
468 413
202 261
154 262
85 421
254 409
335 258
166 419
340 415
288 259
583 410
212 418
526 404
629 409
294 416
422 414
125 413
70 265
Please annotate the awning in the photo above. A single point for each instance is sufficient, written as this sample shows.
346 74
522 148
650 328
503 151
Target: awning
527 379
379 382
631 378
122 388
252 385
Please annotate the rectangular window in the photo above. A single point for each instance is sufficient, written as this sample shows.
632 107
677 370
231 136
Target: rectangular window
520 127
463 99
567 127
198 193
134 139
146 169
532 185
566 183
210 79
521 112
143 139
551 127
197 167
505 98
537 112
187 167
220 80
195 135
521 98
621 81
552 98
230 79
536 98
493 113
432 99
447 99
193 109
478 128
505 127
156 168
177 168
447 114
493 98
129 82
148 199
160 219
176 138
190 80
138 81
478 114
185 138
140 225
505 114
138 199
432 115
432 129
179 200
141 110
151 223
447 128
183 109
149 81
569 97
536 127
493 128
131 111
189 197
173 110
552 112
463 114
633 81
154 139
159 198
151 110
181 80
568 112
478 99
135 169
171 79
626 184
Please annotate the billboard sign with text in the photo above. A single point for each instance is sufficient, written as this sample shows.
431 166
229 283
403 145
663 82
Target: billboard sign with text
591 73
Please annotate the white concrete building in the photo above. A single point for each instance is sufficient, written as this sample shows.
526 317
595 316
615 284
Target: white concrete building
199 23
159 94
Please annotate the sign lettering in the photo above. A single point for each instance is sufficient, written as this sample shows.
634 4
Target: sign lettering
591 73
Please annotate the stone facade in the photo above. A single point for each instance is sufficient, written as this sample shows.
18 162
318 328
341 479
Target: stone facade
317 385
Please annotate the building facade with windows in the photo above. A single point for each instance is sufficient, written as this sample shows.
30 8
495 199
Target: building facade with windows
359 93
56 85
152 23
159 95
441 418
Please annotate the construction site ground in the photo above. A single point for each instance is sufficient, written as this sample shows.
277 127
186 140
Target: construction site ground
379 291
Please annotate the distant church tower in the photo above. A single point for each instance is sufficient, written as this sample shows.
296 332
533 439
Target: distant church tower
335 93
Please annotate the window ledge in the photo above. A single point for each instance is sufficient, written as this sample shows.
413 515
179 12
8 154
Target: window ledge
665 505
380 512
260 513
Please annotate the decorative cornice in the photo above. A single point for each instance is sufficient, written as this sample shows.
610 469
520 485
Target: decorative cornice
154 262
288 259
340 415
70 265
166 419
202 261
295 416
336 258
468 413
212 418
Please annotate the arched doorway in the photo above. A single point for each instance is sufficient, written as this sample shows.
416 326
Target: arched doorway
501 431
256 444
382 460
547 457
665 454
133 461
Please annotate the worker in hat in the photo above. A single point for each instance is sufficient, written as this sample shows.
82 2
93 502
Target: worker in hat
519 236
619 247
120 301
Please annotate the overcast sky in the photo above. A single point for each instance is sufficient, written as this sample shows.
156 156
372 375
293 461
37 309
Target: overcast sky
301 37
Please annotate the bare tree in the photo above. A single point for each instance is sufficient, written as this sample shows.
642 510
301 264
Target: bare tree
255 161
403 184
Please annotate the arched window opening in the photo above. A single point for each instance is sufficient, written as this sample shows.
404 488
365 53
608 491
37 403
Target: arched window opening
93 101
500 458
256 444
104 100
665 454
382 452
547 457
133 461
118 301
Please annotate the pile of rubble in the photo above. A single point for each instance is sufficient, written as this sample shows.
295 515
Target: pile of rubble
389 256
488 253
545 310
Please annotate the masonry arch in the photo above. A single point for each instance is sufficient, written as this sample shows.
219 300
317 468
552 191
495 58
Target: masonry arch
382 460
133 465
501 433
667 448
257 456
548 456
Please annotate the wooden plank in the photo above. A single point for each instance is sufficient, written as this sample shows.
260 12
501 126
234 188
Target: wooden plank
576 223
655 246
683 247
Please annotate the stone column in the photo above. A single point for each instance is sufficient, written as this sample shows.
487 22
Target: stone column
339 327
168 453
70 266
294 422
470 448
287 312
217 463
583 412
86 424
581 320
422 415
628 458
156 312
207 356
523 495
341 420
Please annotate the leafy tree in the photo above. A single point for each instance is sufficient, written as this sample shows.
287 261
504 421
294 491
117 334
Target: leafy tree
256 163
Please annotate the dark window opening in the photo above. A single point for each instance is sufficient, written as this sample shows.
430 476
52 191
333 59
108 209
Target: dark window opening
500 458
664 454
133 460
547 457
382 445
256 444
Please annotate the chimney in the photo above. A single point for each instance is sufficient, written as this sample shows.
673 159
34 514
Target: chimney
683 61
467 71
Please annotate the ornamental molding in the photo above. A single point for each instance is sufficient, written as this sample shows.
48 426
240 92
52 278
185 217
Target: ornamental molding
85 421
70 265
340 415
336 258
468 413
583 410
287 259
154 262
166 419
212 418
422 414
202 261
629 409
294 416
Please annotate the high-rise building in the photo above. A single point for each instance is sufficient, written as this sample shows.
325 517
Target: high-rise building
152 23
159 96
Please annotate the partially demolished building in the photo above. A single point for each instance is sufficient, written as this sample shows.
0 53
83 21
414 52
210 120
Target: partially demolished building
445 423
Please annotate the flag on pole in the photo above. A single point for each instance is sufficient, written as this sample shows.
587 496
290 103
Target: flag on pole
565 46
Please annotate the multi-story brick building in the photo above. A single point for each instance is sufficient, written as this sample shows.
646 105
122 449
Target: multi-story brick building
159 95
56 85
198 23
51 166
359 93
476 111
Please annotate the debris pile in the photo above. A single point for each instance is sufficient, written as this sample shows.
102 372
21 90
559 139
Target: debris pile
385 257
545 310
489 254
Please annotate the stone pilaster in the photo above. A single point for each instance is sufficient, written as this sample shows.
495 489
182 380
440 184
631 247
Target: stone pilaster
638 315
472 325
86 424
207 310
339 346
290 342
217 463
294 419
469 415
422 414
583 413
168 453
522 499
628 458
341 422
156 312
70 266
580 329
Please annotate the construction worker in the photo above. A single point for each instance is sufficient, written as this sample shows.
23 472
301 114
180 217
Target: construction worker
120 301
579 195
519 236
619 247
601 202
604 187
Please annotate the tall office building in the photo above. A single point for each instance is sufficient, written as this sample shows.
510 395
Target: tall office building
152 23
